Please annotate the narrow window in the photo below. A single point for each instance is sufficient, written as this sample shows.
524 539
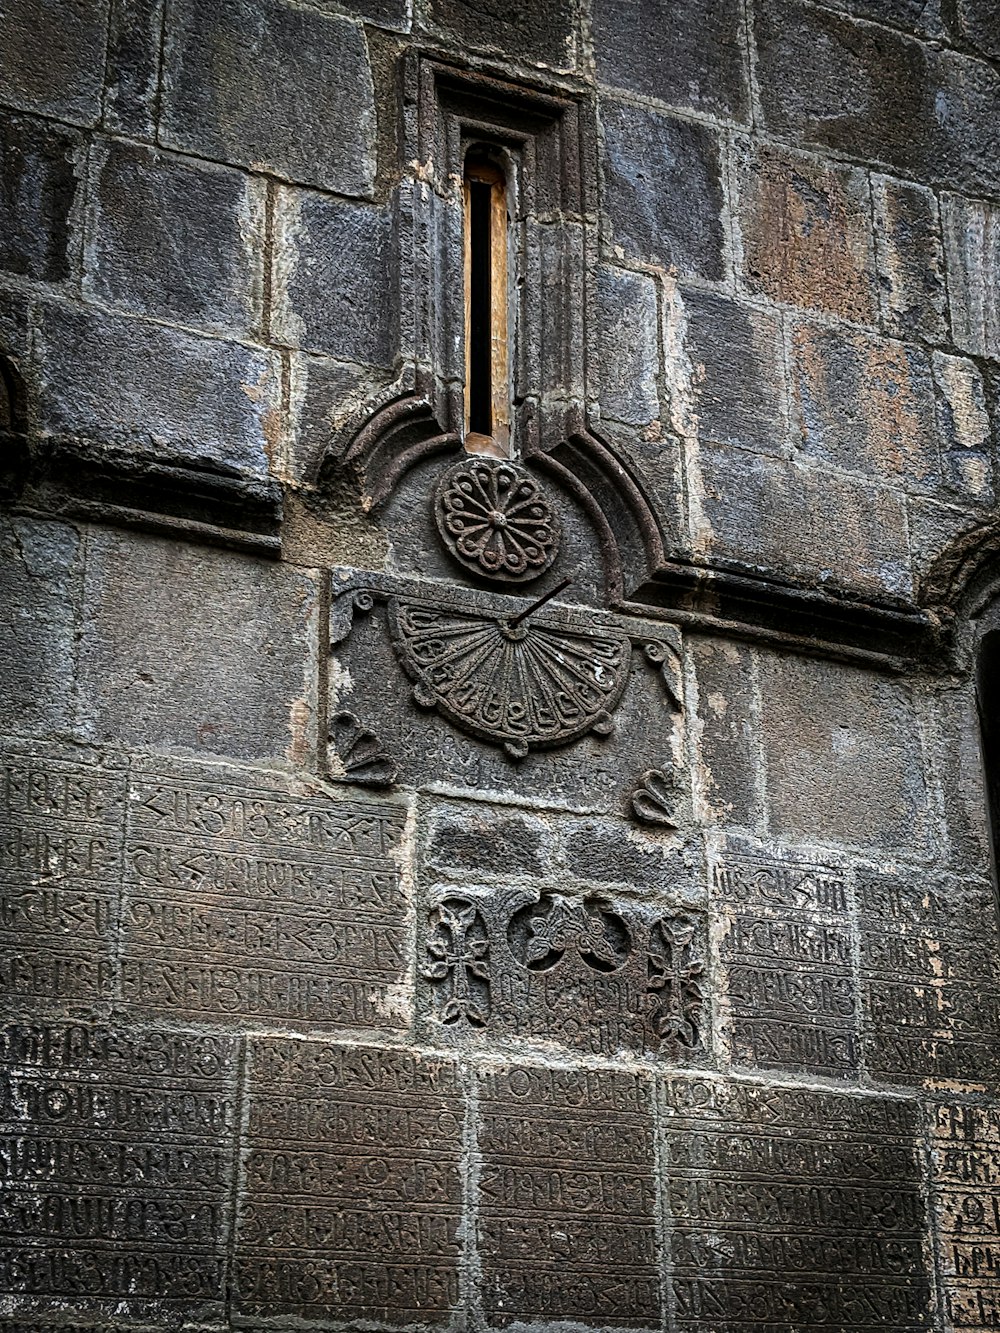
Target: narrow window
988 698
487 379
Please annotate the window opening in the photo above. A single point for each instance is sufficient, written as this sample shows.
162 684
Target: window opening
988 700
487 377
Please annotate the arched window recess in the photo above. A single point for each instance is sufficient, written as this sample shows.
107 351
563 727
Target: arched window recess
487 427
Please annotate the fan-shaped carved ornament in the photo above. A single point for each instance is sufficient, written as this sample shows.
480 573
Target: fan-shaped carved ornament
496 520
526 686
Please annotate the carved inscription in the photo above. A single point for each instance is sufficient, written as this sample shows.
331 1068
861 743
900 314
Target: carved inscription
248 902
792 1209
117 1162
930 965
566 1209
351 1194
60 871
966 1174
587 973
787 949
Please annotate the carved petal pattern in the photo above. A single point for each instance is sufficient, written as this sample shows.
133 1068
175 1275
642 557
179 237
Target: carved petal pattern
526 687
495 519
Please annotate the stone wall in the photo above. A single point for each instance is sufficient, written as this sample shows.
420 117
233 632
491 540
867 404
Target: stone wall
319 1004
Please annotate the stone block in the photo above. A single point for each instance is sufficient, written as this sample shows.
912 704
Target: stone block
964 431
663 190
351 1185
965 1188
977 26
957 758
134 31
392 14
807 234
910 260
567 1154
38 169
261 83
922 17
972 251
176 239
864 404
815 525
197 650
727 776
843 756
875 94
326 396
39 597
684 52
131 1132
525 32
737 357
335 278
52 57
610 851
629 344
157 391
493 841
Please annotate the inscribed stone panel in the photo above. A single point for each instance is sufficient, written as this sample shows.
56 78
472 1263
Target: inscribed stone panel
792 1209
566 1215
60 868
245 900
351 1193
965 1156
786 945
117 1155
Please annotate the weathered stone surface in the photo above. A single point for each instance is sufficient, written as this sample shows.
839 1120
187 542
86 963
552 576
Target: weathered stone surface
351 1190
841 1172
481 839
261 83
679 51
38 170
523 31
567 1153
610 851
335 286
627 311
663 190
727 781
805 521
843 756
977 26
39 597
965 1149
910 260
972 249
964 429
737 356
918 16
52 57
958 762
156 390
176 239
119 1192
865 404
134 30
197 649
393 14
806 231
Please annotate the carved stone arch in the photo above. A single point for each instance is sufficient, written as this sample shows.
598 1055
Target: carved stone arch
962 586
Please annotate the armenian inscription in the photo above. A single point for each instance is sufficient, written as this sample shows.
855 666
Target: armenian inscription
351 1194
966 1173
117 1162
792 1209
566 1213
243 901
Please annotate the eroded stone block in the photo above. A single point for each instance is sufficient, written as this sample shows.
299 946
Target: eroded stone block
134 30
728 778
972 249
965 434
527 32
39 163
52 57
483 839
628 323
965 1166
910 259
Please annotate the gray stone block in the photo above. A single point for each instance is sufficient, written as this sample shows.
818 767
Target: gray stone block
335 284
176 239
197 650
629 339
130 384
807 234
663 190
972 252
864 404
843 756
488 840
52 57
910 260
690 53
392 14
525 31
918 16
977 24
269 85
611 851
326 396
38 179
39 603
964 431
134 32
727 776
778 516
738 362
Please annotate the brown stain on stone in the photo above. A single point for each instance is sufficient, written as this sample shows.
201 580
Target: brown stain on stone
299 718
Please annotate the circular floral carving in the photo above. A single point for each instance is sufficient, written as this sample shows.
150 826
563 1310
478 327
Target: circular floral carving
496 520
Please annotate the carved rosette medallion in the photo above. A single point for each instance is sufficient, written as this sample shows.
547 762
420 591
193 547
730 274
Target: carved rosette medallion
496 520
526 686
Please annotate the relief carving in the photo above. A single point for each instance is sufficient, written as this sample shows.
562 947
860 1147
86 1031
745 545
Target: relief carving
655 798
459 958
496 520
674 981
541 935
363 758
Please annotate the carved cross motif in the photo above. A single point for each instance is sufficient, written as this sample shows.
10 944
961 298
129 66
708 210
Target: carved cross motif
673 981
459 950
